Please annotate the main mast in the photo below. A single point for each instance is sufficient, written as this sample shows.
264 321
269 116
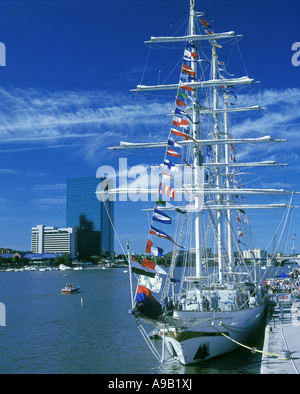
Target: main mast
197 155
228 185
218 161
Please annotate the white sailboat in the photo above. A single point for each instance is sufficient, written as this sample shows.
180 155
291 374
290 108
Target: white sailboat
218 302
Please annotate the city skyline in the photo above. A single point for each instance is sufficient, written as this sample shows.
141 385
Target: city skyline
64 98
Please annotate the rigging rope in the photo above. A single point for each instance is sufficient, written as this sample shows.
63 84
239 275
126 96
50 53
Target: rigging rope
153 349
113 227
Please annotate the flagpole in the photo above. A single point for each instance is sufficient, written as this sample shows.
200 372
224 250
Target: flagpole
130 273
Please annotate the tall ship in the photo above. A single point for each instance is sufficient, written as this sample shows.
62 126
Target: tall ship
207 300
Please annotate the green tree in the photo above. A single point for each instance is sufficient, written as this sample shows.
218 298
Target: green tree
95 259
64 258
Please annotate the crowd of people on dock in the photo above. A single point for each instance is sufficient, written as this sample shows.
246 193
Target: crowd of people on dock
284 283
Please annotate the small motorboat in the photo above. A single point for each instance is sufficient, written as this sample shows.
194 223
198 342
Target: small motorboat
70 288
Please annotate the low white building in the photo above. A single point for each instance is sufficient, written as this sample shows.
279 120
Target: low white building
257 253
49 239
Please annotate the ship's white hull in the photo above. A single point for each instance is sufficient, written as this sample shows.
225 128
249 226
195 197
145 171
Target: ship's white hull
203 340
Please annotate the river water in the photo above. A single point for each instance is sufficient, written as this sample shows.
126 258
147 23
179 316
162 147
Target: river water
89 332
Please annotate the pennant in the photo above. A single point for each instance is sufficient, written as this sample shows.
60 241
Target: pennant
150 264
161 234
179 122
148 246
172 152
204 23
168 191
170 166
137 268
185 67
161 202
189 56
185 87
180 103
180 111
180 211
161 217
173 143
181 94
188 70
184 135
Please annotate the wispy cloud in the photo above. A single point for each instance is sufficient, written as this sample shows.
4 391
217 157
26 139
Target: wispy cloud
35 174
47 202
88 121
30 148
49 187
34 119
12 171
68 114
9 171
281 118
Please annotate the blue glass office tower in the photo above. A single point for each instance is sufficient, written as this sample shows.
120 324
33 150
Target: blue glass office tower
90 218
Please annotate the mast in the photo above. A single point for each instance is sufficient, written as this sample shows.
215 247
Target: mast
294 250
228 185
197 156
218 169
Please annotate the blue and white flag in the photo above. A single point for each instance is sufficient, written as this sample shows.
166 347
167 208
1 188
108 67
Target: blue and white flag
170 166
173 143
179 111
161 217
156 251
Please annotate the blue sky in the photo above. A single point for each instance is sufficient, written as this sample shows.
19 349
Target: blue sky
64 97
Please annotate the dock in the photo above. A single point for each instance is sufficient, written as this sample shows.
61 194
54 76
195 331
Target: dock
281 351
